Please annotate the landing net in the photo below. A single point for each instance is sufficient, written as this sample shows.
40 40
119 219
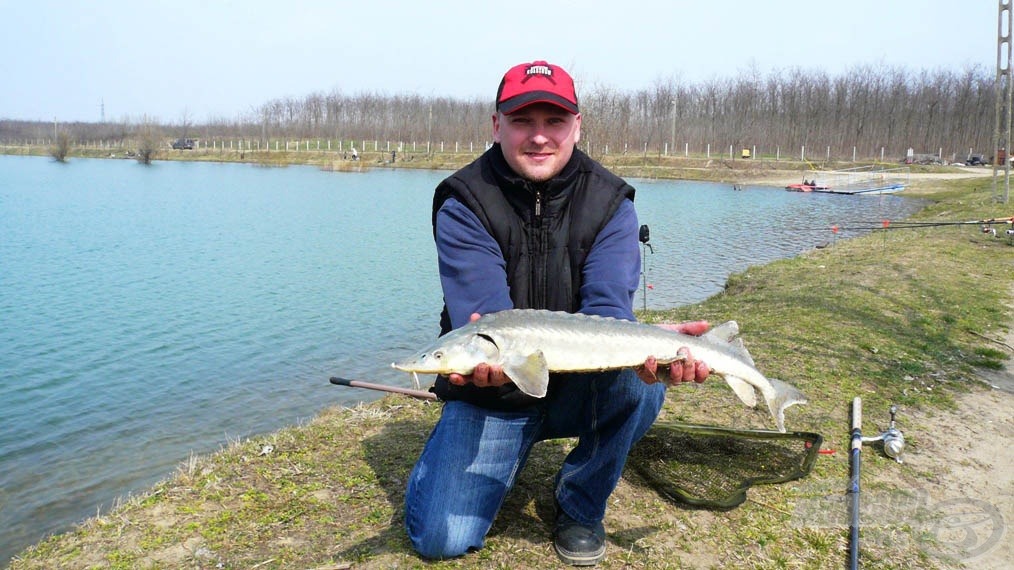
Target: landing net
713 467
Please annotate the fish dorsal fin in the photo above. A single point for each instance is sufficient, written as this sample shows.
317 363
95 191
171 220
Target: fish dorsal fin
743 389
724 332
530 373
727 335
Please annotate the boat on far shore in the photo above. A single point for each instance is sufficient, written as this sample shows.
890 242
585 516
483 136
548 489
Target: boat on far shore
805 186
859 180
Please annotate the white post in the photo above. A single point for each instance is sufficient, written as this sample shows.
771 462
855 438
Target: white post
686 149
853 154
778 153
709 150
881 154
730 152
829 153
802 152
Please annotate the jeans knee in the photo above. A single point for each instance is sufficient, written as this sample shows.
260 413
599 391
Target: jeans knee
438 544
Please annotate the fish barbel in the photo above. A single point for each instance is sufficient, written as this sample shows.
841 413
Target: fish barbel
529 344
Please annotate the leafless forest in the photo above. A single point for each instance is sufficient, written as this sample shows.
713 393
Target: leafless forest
869 112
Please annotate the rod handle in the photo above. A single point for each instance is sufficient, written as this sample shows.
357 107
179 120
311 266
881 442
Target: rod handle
857 413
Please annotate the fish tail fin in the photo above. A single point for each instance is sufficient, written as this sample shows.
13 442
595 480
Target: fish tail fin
784 396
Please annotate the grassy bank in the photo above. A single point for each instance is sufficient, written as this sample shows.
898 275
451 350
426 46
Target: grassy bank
901 316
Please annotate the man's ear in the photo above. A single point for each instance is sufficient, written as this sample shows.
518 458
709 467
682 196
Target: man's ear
496 126
577 127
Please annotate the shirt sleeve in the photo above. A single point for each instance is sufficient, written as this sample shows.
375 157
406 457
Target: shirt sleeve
473 272
613 267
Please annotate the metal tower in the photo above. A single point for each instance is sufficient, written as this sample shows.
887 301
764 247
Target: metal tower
1002 126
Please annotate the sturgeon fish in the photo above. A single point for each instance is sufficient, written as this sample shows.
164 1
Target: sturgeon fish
529 344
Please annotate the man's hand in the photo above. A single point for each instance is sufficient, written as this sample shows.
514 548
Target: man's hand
685 370
484 375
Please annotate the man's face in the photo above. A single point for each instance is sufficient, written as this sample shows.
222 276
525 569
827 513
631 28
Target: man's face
537 140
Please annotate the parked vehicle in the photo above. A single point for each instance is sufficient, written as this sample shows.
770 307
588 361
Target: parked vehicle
183 144
975 160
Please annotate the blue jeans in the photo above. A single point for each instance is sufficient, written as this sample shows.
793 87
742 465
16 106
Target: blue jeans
474 455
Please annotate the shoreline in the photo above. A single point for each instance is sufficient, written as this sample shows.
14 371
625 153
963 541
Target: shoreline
189 551
756 171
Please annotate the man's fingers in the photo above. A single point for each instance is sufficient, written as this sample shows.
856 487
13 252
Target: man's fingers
703 371
695 328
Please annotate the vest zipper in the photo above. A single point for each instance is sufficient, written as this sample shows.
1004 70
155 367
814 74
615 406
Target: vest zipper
538 203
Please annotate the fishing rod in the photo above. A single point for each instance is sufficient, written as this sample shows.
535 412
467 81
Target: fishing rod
894 446
902 225
643 236
857 447
418 394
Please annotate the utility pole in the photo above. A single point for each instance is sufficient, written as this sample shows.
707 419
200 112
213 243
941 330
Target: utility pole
429 133
1002 88
673 134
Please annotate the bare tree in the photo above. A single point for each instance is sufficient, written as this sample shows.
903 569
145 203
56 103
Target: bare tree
61 147
147 140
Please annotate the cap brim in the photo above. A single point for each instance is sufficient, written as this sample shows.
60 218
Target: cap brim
517 102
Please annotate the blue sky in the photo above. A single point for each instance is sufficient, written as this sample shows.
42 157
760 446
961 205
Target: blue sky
65 59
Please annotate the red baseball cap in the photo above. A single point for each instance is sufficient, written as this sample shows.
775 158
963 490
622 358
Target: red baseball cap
536 82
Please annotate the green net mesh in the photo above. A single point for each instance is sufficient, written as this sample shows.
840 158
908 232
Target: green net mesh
713 467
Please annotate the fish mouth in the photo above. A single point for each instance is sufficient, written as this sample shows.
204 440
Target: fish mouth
405 367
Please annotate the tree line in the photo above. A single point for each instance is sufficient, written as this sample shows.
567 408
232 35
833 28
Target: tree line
865 111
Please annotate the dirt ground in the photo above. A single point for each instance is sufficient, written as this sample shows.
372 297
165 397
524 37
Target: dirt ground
781 178
963 494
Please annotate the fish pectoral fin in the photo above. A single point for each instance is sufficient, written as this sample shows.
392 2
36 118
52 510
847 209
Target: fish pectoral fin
743 389
530 373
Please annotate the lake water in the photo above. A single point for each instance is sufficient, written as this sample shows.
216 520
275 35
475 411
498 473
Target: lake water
147 313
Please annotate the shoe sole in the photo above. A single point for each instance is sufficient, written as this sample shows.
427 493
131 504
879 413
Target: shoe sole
580 559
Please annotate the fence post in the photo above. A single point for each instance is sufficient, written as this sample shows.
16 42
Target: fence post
802 152
708 153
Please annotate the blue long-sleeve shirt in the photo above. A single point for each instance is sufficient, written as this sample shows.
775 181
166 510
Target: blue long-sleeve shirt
473 272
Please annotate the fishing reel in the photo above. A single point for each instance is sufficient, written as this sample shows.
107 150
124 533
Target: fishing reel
893 439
